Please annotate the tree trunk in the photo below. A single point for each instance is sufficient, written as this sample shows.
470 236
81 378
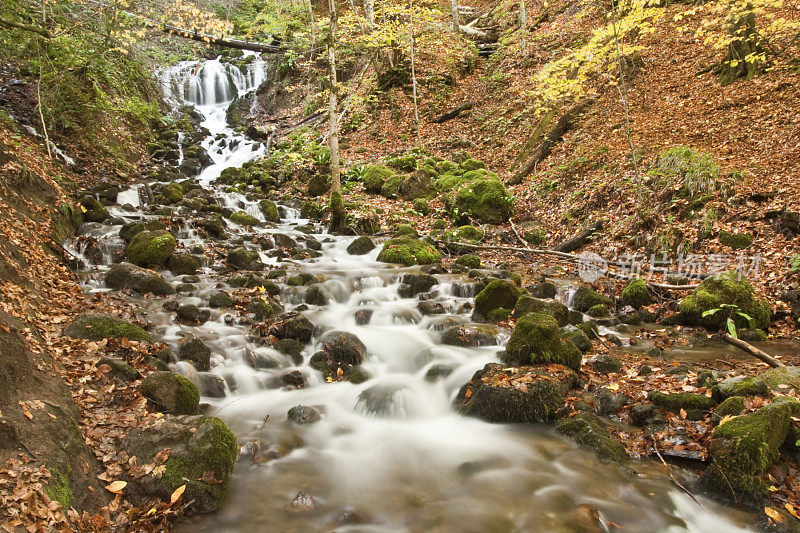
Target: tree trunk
740 63
369 12
313 26
580 240
454 10
523 22
336 203
414 70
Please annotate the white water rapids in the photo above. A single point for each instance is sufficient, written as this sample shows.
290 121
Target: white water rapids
413 465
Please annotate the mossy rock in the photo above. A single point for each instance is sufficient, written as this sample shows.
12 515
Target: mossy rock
498 294
737 241
405 229
220 299
391 187
408 251
173 193
537 339
472 164
695 405
585 298
605 363
312 210
151 248
244 259
141 280
469 261
93 210
99 327
485 201
528 304
421 206
202 455
360 246
262 309
598 311
404 163
183 263
788 376
490 395
742 448
577 338
740 386
292 326
636 294
119 368
171 393
196 352
470 235
534 236
374 177
732 406
244 219
343 347
719 290
131 229
269 210
589 431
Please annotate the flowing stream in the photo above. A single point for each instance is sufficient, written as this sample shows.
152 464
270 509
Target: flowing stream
397 458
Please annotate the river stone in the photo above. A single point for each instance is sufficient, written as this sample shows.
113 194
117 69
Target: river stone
263 309
303 415
202 451
585 298
537 339
362 245
428 307
284 241
589 431
605 363
546 289
214 226
211 385
788 376
141 280
694 405
470 335
408 251
191 314
244 259
539 393
183 263
648 416
151 248
496 300
291 347
118 368
610 402
196 352
739 386
413 284
171 393
528 304
578 338
220 299
316 295
719 290
384 400
99 327
292 326
343 347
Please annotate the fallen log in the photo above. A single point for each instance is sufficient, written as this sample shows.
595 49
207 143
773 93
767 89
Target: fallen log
752 350
580 240
453 113
553 137
221 41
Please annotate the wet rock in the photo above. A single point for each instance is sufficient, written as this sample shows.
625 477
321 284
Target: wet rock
363 316
131 229
648 416
431 308
469 261
585 298
262 309
316 295
610 402
118 368
220 299
695 405
537 339
151 248
171 393
292 326
284 241
99 327
589 431
528 304
244 259
294 379
470 335
214 226
269 210
438 371
191 314
496 300
720 290
184 288
141 280
636 294
291 347
302 502
243 218
301 279
211 385
546 289
202 451
183 263
605 363
303 415
384 400
362 245
408 251
413 284
743 448
598 311
196 352
343 347
94 210
739 386
491 395
578 338
157 363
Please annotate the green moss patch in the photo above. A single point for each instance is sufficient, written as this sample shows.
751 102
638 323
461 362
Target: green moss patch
719 290
537 339
408 251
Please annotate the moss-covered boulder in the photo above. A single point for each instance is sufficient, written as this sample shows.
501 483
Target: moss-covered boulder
99 327
244 259
172 193
537 339
578 338
636 294
202 451
220 299
782 378
196 352
484 200
737 241
374 177
413 284
262 309
151 248
598 311
269 210
589 431
391 187
292 326
732 406
462 239
131 229
408 251
362 245
526 394
343 347
93 210
739 386
585 298
528 304
171 393
742 448
469 261
695 405
183 264
243 218
719 290
496 300
470 335
141 280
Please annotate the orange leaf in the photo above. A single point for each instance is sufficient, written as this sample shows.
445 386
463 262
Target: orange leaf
116 487
177 494
791 509
773 514
683 414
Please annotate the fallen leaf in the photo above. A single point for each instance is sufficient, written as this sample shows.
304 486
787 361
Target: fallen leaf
116 486
177 494
773 514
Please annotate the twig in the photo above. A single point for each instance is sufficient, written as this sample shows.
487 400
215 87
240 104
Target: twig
752 350
39 107
674 479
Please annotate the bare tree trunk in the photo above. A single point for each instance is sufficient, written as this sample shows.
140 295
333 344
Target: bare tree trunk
414 70
336 203
523 22
454 10
313 26
369 12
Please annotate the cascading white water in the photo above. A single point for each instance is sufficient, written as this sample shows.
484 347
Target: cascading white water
391 449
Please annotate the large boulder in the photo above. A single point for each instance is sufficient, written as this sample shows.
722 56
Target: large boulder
484 200
244 259
742 448
343 347
537 339
418 185
362 245
374 176
292 326
151 248
525 394
196 352
99 327
724 290
408 251
585 298
589 431
171 393
413 284
200 453
497 299
141 280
